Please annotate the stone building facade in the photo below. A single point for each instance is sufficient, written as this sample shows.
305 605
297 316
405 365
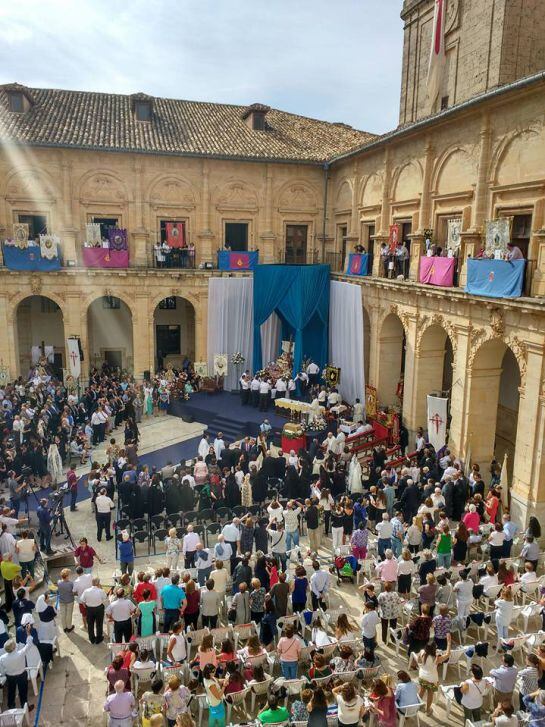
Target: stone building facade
481 157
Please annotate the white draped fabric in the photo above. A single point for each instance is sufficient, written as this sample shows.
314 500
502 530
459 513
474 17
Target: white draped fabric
346 338
230 323
271 331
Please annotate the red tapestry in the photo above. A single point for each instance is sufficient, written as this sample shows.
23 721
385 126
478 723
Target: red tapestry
395 236
176 234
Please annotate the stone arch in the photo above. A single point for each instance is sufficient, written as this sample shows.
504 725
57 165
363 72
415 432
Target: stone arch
30 183
297 194
391 357
407 181
371 191
495 379
102 185
455 171
237 194
171 189
36 324
110 292
366 343
522 150
343 198
183 316
110 331
433 367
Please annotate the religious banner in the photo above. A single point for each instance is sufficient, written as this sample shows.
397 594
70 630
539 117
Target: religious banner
74 361
220 364
29 258
228 260
358 264
428 239
370 402
20 234
495 278
201 369
103 257
332 375
454 227
437 271
49 246
498 234
437 421
395 237
436 68
175 234
118 239
92 234
4 375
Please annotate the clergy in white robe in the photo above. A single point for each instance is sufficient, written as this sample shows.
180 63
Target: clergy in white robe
219 445
204 447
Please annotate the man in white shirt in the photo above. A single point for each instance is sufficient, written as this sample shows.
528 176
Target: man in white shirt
384 531
358 411
369 623
231 534
224 552
319 586
204 446
330 444
94 599
104 506
281 387
313 373
13 667
219 445
254 390
291 524
81 584
204 563
420 440
244 382
120 612
189 546
333 398
264 390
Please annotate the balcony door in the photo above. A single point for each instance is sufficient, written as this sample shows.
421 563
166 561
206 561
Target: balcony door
296 244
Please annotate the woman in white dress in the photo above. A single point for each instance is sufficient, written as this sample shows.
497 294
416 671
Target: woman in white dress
54 464
148 400
354 476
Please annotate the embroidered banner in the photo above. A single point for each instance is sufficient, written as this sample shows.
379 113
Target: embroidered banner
495 278
437 62
92 234
49 246
175 234
118 239
437 271
103 257
454 227
74 361
20 234
498 234
395 237
237 260
358 264
437 421
29 258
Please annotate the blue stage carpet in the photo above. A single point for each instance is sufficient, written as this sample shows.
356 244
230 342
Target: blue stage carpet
224 412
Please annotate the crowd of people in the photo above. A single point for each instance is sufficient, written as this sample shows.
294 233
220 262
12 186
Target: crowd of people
429 540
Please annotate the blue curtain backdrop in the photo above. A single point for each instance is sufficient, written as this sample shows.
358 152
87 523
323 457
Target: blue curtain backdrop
299 294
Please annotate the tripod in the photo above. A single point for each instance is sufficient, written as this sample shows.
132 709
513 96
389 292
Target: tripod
59 526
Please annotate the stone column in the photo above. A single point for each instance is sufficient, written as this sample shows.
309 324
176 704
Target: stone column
142 250
374 353
75 324
427 377
267 237
385 209
424 219
481 189
410 375
528 485
9 350
459 401
141 323
69 232
201 327
204 252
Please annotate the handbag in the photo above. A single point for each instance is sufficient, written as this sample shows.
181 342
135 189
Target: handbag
232 615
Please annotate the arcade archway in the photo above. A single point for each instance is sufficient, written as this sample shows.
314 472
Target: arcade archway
173 332
40 332
391 369
110 333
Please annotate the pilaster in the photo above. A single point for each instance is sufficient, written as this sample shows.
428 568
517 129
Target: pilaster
142 321
268 237
411 374
206 236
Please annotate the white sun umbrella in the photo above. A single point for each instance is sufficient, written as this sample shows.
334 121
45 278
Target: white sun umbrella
504 492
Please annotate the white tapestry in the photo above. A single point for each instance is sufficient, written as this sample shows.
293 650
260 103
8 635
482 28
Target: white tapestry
74 362
437 420
49 246
271 331
346 339
454 230
230 323
93 238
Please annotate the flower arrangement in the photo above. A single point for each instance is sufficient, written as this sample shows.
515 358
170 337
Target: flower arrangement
237 359
316 425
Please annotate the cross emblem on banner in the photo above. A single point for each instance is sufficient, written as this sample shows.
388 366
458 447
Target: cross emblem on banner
437 421
73 357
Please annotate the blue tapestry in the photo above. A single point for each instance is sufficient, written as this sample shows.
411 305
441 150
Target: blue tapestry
29 258
358 264
299 294
243 260
495 278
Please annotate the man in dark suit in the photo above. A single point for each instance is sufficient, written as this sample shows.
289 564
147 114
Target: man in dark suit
280 465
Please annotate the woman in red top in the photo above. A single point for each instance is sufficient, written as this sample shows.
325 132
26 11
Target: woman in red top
193 602
235 680
144 584
272 570
117 671
384 706
130 655
226 655
492 505
85 556
505 575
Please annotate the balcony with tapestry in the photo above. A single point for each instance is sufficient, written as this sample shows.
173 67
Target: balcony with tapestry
42 254
105 252
173 250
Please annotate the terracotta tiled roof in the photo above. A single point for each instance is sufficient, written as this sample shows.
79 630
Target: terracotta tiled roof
106 121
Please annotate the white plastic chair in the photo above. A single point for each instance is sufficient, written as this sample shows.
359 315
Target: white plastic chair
260 689
411 710
395 635
202 704
142 678
15 717
347 676
450 701
34 667
243 632
149 643
194 638
456 655
221 633
533 641
116 648
236 699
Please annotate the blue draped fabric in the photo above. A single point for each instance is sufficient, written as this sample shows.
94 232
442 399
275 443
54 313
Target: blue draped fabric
495 278
299 294
29 258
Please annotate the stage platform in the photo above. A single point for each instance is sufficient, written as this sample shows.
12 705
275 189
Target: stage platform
223 412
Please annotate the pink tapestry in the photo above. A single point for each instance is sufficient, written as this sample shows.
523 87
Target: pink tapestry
103 257
437 271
